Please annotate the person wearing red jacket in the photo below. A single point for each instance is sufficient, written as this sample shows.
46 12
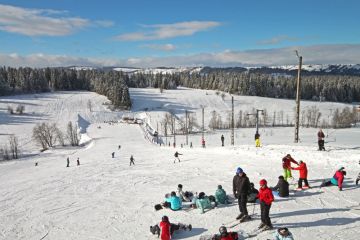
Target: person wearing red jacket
165 229
303 175
266 198
336 180
286 164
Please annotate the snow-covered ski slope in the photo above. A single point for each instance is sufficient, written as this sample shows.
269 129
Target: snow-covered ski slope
105 198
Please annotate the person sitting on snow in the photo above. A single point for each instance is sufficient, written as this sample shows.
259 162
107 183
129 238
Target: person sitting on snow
253 192
220 195
282 187
202 202
165 229
303 175
225 235
336 180
173 202
283 234
184 196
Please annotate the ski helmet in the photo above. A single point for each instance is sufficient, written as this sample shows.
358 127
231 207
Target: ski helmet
262 182
165 219
222 230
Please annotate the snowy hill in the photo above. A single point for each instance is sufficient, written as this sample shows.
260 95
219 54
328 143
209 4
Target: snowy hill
105 198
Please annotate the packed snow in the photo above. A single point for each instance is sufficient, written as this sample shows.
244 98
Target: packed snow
105 198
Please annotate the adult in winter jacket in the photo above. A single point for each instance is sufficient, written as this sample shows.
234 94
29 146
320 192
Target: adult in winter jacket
203 202
286 164
321 141
174 202
220 195
241 187
257 139
266 198
337 179
165 229
283 234
282 187
222 140
303 175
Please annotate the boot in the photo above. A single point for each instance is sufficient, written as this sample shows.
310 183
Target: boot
267 227
245 218
240 216
261 225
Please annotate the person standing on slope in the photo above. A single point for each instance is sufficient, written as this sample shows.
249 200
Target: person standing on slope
321 141
132 160
266 198
257 139
303 175
222 140
68 162
241 187
286 164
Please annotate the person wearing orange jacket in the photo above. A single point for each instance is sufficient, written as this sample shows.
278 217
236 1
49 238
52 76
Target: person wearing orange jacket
266 198
303 175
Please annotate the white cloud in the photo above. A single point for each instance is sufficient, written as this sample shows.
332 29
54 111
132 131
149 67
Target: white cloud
41 22
317 54
163 31
161 47
278 39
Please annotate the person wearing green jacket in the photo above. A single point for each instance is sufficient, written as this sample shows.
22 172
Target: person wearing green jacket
220 195
203 202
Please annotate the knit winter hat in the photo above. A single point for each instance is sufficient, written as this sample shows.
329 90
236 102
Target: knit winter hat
219 187
239 170
180 186
262 182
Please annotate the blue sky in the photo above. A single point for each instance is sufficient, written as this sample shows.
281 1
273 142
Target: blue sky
177 33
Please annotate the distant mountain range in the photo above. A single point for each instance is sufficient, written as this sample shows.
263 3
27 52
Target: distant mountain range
318 69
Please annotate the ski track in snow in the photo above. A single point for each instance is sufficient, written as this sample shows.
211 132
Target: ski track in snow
105 198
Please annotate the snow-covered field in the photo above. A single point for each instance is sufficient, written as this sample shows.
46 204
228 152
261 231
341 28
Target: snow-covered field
105 198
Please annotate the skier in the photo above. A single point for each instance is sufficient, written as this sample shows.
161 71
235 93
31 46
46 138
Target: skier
132 160
251 197
303 175
78 161
176 155
184 196
257 139
321 141
286 163
113 154
68 162
203 142
283 234
173 202
225 235
282 187
241 187
336 180
266 198
220 195
222 140
166 229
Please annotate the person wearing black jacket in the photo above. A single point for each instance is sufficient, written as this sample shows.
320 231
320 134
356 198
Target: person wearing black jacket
241 188
282 187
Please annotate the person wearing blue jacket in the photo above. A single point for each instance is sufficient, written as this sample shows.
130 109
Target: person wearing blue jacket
203 202
174 202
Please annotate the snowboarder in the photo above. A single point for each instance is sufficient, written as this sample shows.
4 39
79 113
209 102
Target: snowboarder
203 142
220 196
241 187
283 234
336 180
132 160
68 162
257 139
78 161
303 175
176 155
251 197
113 154
165 229
203 202
173 202
282 187
184 196
321 141
222 140
286 164
266 198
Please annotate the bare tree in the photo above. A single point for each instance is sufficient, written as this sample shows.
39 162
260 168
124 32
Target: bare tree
4 152
72 134
14 146
45 135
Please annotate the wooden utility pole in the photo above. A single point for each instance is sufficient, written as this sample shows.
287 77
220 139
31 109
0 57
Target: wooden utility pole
298 96
203 129
232 120
186 126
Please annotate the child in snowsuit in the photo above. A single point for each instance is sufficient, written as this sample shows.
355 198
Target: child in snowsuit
253 192
203 202
303 175
286 164
266 198
282 187
283 234
173 202
336 180
220 195
225 235
165 229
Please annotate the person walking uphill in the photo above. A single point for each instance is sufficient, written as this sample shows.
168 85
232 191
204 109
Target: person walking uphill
286 164
266 198
241 187
132 160
321 141
222 140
